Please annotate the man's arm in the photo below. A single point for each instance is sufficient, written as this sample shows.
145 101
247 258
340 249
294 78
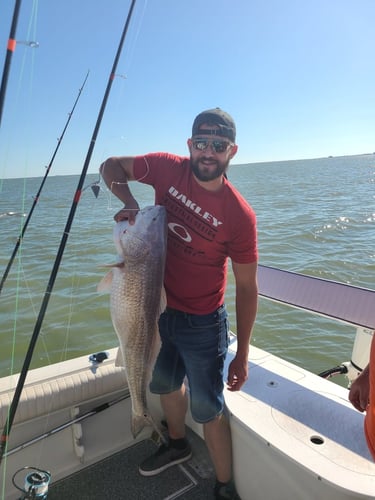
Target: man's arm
116 173
246 309
360 390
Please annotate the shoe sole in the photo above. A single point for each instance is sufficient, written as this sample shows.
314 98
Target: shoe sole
154 472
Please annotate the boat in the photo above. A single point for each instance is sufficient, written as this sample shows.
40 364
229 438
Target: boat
295 434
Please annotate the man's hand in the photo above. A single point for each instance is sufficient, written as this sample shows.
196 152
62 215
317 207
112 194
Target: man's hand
360 390
129 212
237 374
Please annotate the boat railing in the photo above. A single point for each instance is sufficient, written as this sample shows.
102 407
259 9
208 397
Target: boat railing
340 301
331 299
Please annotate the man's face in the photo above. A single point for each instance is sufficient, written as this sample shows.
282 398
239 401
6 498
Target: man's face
210 154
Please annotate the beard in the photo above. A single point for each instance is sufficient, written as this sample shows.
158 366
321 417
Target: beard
206 174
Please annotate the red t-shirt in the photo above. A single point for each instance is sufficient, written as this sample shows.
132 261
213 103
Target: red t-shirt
370 411
204 229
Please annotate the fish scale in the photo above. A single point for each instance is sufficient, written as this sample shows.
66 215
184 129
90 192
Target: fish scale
137 299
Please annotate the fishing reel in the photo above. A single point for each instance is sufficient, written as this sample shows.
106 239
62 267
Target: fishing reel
36 483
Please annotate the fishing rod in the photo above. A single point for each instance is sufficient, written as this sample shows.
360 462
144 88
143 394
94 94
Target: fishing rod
21 381
10 49
36 197
76 420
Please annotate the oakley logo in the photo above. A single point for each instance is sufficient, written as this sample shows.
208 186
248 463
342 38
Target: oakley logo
194 207
180 231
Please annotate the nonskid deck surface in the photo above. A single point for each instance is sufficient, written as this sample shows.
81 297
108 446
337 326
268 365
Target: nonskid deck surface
117 477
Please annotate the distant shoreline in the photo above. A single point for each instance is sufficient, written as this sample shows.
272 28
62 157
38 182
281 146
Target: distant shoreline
301 159
231 165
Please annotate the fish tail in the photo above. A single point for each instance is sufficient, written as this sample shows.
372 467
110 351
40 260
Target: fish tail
139 422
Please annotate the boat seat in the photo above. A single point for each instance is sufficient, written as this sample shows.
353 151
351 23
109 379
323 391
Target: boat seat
46 391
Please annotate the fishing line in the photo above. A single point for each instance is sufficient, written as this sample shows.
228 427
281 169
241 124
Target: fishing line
76 199
75 280
126 183
36 197
18 93
134 40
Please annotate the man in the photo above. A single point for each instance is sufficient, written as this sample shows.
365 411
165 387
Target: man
362 397
208 222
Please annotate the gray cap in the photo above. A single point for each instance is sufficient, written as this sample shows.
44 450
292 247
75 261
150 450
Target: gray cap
218 117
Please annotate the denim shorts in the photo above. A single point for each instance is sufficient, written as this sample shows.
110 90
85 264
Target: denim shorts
194 346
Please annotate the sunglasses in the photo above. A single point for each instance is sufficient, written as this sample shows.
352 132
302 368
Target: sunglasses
217 145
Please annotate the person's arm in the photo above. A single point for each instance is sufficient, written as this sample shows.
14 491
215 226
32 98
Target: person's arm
360 390
246 309
116 173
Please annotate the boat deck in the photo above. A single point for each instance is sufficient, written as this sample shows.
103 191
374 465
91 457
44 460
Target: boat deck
117 477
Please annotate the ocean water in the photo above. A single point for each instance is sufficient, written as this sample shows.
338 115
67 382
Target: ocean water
314 216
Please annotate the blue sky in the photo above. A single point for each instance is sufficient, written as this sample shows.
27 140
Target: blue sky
297 76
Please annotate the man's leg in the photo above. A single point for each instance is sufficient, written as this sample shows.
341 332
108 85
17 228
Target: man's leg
177 449
219 443
175 407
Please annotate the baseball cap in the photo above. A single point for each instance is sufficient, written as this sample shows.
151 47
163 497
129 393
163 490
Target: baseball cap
218 117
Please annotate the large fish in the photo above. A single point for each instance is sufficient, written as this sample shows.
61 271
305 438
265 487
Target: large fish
137 298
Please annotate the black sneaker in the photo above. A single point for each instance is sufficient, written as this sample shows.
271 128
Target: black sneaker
225 491
164 458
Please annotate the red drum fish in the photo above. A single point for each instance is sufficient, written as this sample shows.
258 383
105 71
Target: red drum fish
137 298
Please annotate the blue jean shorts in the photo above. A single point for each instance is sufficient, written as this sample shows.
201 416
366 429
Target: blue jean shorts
194 346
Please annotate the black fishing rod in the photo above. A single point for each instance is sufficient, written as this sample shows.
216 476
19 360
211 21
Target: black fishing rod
36 197
21 381
10 49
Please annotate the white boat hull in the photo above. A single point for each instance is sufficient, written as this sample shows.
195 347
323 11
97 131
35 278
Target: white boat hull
295 436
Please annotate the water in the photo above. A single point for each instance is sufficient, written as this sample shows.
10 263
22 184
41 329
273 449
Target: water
314 216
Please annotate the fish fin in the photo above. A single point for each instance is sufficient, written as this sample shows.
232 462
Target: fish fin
153 354
163 300
105 283
139 422
119 358
119 263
